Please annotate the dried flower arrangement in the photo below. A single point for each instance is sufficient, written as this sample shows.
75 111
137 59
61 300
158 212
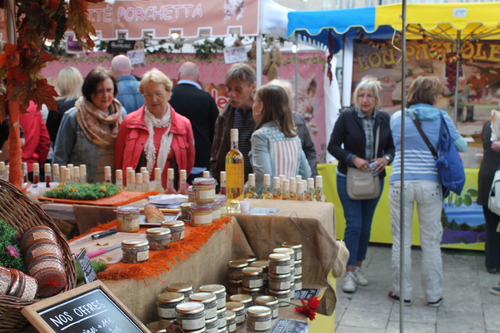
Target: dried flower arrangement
83 191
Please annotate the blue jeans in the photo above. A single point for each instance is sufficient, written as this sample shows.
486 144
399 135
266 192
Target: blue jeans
358 216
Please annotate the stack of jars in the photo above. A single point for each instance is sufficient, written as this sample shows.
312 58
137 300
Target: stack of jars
13 282
297 248
206 206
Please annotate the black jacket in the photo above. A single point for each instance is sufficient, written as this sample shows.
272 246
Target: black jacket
349 131
307 144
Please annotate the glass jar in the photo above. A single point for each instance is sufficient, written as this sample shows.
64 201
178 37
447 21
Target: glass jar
180 287
211 324
279 281
166 303
222 202
158 326
215 210
298 282
201 214
218 290
297 247
244 299
254 292
264 265
259 318
176 229
279 263
204 190
185 212
298 267
190 193
252 277
221 317
128 218
209 301
231 321
190 315
235 267
135 250
234 287
239 311
37 234
282 296
158 238
271 302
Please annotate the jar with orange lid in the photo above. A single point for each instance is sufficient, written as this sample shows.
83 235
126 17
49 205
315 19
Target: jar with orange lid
204 190
201 214
50 275
37 234
135 250
43 249
176 229
128 218
158 238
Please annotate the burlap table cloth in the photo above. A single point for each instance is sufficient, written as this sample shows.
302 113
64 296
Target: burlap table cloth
314 228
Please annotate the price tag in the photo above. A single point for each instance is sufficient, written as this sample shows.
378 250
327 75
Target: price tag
86 268
235 54
136 56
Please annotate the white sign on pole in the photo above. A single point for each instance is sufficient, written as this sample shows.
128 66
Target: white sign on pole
235 54
136 56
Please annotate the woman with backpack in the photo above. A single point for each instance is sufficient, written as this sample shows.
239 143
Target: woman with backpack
422 188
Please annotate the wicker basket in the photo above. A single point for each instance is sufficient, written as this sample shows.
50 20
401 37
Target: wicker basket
17 210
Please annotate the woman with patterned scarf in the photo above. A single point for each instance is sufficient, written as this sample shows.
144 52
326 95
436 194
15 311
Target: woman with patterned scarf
155 136
88 131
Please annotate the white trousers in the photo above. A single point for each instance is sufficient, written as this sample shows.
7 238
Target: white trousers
427 196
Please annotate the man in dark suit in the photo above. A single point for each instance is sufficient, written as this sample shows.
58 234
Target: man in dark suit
199 107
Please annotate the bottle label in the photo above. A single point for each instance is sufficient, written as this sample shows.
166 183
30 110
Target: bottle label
234 181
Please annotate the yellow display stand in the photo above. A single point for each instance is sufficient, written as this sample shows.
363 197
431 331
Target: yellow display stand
381 227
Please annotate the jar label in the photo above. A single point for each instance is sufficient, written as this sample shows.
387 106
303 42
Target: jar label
240 319
128 222
211 330
284 285
143 255
167 313
205 194
282 269
216 214
255 283
210 312
298 285
232 327
202 219
221 302
222 322
276 312
298 270
193 324
262 325
298 255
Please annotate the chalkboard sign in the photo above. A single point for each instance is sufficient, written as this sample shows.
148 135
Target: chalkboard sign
91 308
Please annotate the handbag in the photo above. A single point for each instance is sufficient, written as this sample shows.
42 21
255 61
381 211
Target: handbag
362 184
494 197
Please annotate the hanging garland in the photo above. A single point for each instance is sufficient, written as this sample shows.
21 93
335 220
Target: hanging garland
376 45
451 58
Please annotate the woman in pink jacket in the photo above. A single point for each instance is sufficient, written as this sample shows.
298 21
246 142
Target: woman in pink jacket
155 135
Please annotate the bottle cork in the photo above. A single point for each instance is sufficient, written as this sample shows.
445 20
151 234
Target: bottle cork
46 167
310 182
55 169
182 174
76 172
157 174
138 178
83 170
319 181
206 174
119 174
251 179
276 183
170 173
223 176
267 179
107 172
36 167
234 134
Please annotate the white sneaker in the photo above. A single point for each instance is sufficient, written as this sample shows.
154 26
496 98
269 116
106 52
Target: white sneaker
349 283
359 278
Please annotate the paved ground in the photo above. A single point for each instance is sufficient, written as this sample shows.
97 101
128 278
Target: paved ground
468 306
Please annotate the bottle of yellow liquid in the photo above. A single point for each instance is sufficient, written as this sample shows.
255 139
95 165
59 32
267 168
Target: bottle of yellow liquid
266 193
235 179
251 194
276 188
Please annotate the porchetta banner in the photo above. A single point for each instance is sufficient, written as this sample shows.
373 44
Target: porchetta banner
162 18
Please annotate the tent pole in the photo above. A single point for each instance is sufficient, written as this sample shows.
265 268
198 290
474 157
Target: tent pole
457 77
258 64
296 71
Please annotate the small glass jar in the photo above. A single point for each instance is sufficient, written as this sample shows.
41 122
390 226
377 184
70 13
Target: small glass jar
279 263
254 292
190 315
234 287
252 277
279 281
231 321
221 317
211 325
190 193
298 282
128 218
37 234
208 300
158 326
297 247
264 265
271 302
201 214
244 299
250 260
135 250
298 267
235 267
176 229
204 190
218 290
185 212
179 287
166 303
215 210
222 201
238 309
285 250
282 296
259 318
158 238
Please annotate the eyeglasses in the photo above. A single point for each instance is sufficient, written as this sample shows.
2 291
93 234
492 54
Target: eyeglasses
157 94
368 96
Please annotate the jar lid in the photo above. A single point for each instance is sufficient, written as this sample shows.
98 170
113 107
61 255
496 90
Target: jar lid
279 257
170 297
285 250
230 315
266 300
251 290
252 271
158 231
260 263
279 292
242 298
210 321
235 306
250 260
201 330
203 297
135 242
158 326
201 207
298 277
190 307
204 181
180 287
239 263
186 205
221 311
258 311
213 288
279 276
221 197
298 262
127 210
234 281
172 224
293 245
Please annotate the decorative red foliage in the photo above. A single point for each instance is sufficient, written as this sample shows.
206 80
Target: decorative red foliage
309 307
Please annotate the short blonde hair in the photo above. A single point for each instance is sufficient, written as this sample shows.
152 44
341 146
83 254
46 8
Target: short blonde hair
156 76
69 83
285 84
369 83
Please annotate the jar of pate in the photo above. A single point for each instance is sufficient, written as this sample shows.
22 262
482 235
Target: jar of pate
218 290
204 190
222 202
235 267
127 218
264 265
50 275
190 315
209 301
211 325
298 282
231 321
279 263
185 212
252 277
244 299
234 287
43 249
282 296
297 247
239 310
37 234
201 214
166 303
271 302
221 317
135 250
254 292
279 281
289 251
258 318
180 287
158 326
215 210
176 229
158 238
298 267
